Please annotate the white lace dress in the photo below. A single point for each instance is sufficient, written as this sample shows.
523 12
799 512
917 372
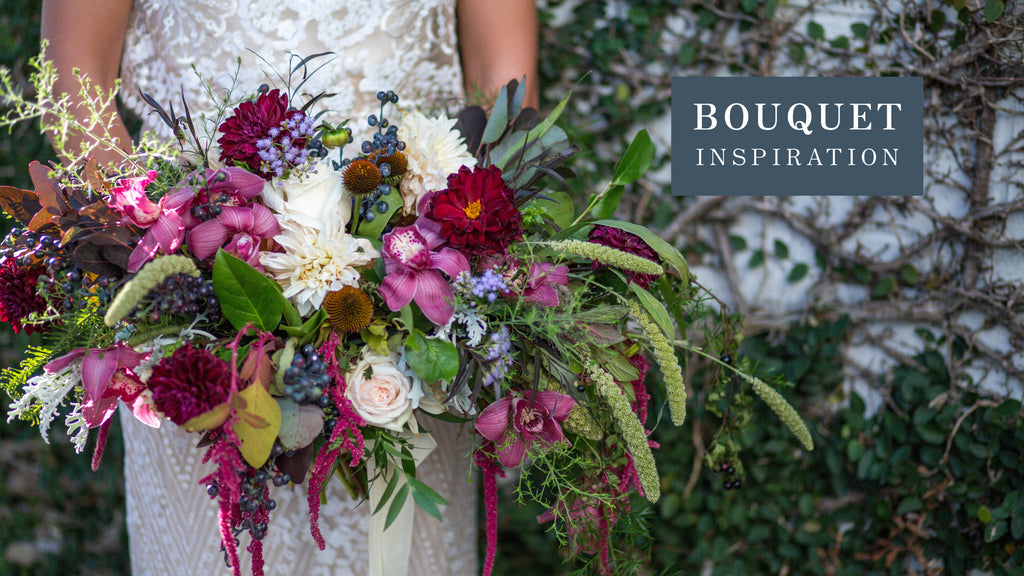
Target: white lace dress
403 45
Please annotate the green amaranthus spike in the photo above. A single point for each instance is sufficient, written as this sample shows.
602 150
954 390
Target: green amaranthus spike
609 256
151 275
632 431
579 421
782 409
665 356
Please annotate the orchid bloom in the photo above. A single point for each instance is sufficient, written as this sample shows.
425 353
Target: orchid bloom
129 197
229 186
412 265
163 220
107 376
540 287
241 229
516 423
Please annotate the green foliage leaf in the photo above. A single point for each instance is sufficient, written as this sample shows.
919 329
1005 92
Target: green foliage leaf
798 272
635 162
309 329
781 249
245 294
432 360
995 531
426 497
668 253
535 133
396 505
656 309
373 230
859 29
300 425
687 54
909 274
815 31
993 10
749 5
840 42
558 206
737 243
756 259
607 206
938 18
884 287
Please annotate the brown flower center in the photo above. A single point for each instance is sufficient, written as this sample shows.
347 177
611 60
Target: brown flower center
473 210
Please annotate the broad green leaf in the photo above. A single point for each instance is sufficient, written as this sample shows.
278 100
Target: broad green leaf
300 425
607 206
993 10
995 531
815 31
635 161
396 505
737 243
498 121
756 258
558 206
257 441
656 309
535 133
432 360
245 294
373 230
666 251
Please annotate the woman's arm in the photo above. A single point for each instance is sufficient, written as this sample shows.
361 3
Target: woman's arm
498 40
88 35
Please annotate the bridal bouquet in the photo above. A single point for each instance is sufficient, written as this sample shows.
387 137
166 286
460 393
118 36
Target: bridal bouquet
311 311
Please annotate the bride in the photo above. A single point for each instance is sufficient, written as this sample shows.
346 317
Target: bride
432 53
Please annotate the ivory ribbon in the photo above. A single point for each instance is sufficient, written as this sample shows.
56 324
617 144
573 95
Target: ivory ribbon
389 554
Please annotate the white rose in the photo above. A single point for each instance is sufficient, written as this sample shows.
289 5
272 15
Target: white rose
379 391
309 196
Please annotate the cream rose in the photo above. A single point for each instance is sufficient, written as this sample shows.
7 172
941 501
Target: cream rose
379 391
308 196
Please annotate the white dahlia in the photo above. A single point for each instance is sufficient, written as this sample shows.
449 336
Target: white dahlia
316 261
434 150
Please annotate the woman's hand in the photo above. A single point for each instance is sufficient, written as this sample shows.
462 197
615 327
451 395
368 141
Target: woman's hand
498 43
88 35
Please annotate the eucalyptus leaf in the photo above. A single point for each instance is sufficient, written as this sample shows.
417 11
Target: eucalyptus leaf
635 162
245 294
498 121
432 360
535 133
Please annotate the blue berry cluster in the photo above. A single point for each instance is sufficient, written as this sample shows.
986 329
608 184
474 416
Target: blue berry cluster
180 295
306 379
384 143
278 149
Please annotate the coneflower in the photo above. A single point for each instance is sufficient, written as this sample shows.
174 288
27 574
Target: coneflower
349 310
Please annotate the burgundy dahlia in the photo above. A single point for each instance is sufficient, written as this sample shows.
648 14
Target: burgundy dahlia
627 242
19 297
188 383
477 212
265 136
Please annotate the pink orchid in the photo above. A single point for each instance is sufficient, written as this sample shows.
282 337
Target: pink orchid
237 230
129 197
225 186
540 288
533 421
163 220
412 263
107 377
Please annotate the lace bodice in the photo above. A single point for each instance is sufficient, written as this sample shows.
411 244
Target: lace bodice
403 45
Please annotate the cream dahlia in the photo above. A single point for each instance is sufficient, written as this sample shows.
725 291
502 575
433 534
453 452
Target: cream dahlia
316 261
434 149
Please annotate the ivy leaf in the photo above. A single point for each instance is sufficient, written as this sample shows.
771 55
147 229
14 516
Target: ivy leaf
756 259
781 249
635 162
245 294
993 10
748 5
432 360
258 425
859 29
737 243
815 31
797 273
687 54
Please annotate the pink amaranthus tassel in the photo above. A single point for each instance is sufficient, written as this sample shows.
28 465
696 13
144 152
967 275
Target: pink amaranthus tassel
224 453
101 444
348 421
485 458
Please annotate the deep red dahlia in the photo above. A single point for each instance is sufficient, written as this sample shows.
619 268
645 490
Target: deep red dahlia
627 242
263 131
188 383
19 296
477 212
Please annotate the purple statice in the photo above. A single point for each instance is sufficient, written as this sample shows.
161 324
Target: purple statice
487 285
498 358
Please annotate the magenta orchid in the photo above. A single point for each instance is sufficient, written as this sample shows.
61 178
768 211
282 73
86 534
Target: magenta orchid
517 423
166 229
129 197
237 230
540 288
107 377
414 265
225 186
